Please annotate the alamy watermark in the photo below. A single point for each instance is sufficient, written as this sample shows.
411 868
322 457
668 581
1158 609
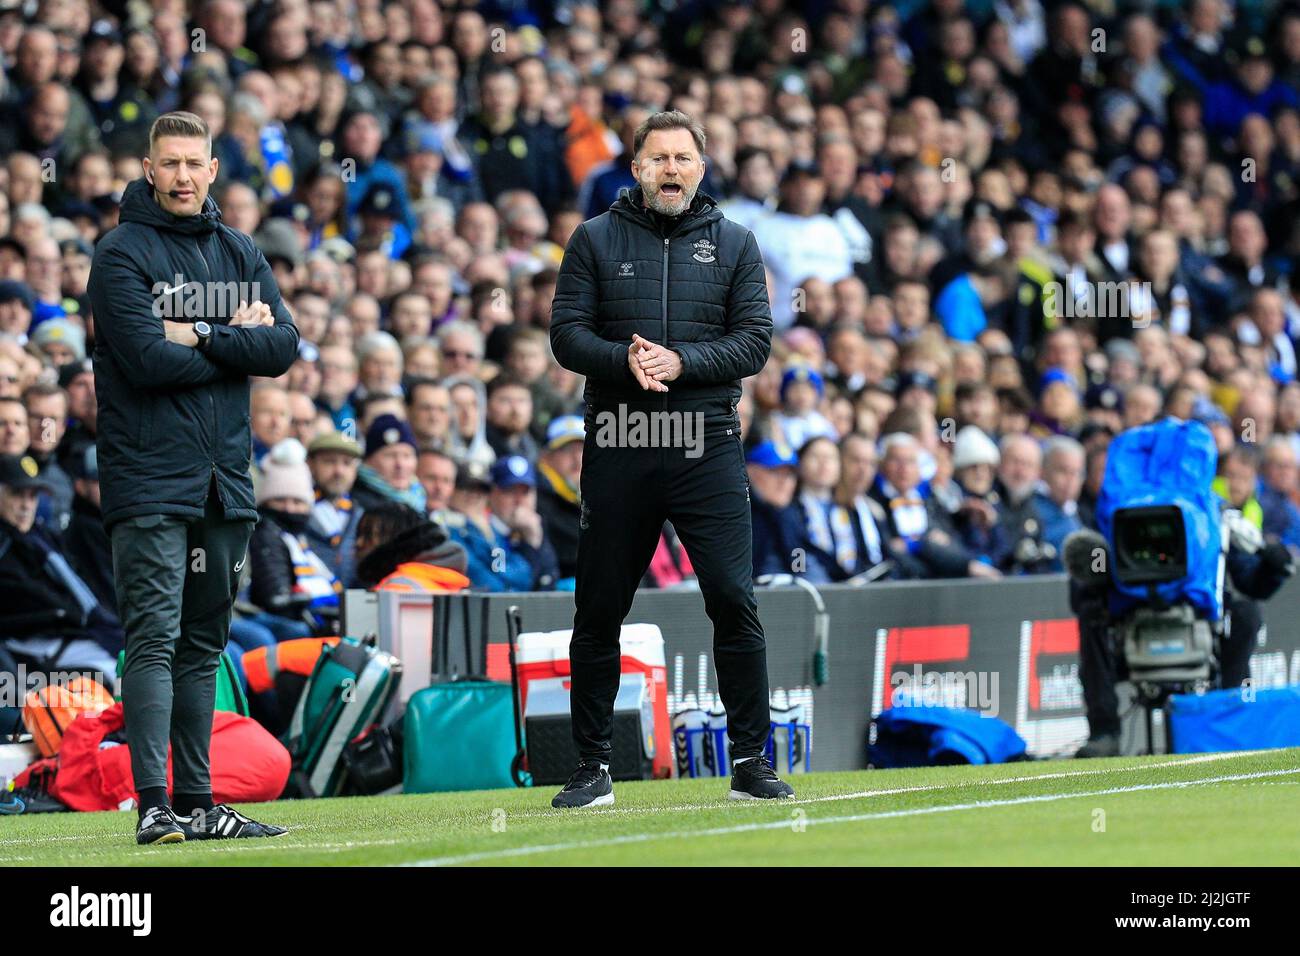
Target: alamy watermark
16 686
201 300
1081 298
633 428
960 689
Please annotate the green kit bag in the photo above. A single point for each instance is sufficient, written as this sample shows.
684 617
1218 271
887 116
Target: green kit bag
459 736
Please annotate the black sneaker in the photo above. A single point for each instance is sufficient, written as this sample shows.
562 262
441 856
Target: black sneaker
756 780
1102 745
224 822
590 786
29 800
158 825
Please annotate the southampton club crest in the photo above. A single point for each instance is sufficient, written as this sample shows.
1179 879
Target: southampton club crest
704 251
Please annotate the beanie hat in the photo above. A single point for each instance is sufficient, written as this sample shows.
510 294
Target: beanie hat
61 330
388 430
973 447
285 474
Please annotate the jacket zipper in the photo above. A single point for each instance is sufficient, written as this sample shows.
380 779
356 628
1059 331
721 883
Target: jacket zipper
665 309
212 405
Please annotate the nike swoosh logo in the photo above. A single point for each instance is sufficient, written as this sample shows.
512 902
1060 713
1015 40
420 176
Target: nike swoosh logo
240 566
169 291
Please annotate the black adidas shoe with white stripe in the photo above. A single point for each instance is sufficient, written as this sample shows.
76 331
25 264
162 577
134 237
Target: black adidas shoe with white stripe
158 825
755 779
224 822
590 786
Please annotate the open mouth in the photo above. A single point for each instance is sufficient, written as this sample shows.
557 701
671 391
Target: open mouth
671 190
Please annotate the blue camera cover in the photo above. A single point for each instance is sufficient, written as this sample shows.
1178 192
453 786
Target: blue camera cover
1169 462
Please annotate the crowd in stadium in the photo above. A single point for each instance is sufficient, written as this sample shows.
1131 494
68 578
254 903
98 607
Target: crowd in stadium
996 234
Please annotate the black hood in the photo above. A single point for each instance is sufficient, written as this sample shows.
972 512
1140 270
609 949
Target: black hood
427 542
138 205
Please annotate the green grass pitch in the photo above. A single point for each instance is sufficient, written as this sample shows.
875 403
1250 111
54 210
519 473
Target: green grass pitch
1212 809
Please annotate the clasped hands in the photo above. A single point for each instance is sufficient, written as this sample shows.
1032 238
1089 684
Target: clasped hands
248 315
653 365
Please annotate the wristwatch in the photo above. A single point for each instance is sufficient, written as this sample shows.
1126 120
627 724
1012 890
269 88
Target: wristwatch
204 331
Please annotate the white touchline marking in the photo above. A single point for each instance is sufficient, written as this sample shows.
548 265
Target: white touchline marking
894 791
853 818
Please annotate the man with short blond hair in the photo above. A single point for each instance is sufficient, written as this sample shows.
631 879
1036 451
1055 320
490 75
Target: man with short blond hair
186 312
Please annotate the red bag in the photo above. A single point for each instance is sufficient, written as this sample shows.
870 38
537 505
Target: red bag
248 765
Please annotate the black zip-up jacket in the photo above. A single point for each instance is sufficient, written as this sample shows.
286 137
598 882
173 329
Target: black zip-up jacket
171 418
694 283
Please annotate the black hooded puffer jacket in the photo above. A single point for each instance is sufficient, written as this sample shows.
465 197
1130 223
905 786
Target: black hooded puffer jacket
171 418
694 283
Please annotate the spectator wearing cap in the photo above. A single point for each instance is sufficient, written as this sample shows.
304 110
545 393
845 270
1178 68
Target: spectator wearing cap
15 310
49 616
558 489
1057 502
780 536
495 519
61 341
1058 411
1103 404
287 578
85 541
799 240
917 389
333 459
77 379
435 163
47 417
799 421
388 472
121 111
379 223
509 415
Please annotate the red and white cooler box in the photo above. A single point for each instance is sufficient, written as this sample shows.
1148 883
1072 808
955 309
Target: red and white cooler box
543 655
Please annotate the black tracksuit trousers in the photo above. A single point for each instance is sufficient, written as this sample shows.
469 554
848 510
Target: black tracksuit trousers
176 581
627 493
